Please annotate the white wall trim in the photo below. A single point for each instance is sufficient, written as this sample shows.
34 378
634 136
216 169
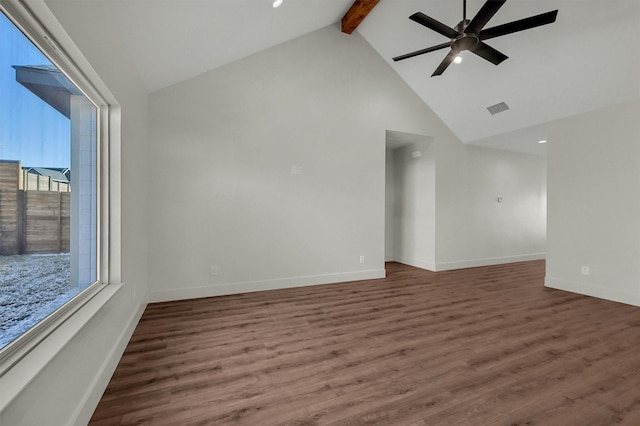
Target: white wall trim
92 397
600 292
252 286
447 266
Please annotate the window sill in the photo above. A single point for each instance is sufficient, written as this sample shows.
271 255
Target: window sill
20 368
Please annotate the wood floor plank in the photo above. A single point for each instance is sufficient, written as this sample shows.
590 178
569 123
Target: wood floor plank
478 346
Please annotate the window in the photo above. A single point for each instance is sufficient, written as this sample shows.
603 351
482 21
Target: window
50 213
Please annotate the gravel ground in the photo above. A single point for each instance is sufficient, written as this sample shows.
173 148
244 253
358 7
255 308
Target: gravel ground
31 287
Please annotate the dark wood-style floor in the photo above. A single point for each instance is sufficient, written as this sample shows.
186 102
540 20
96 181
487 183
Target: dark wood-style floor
480 346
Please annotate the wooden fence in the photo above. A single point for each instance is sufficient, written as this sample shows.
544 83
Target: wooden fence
10 220
46 222
31 221
33 182
11 175
34 222
9 223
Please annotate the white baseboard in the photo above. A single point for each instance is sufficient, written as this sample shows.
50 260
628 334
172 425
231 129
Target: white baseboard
252 286
90 401
593 291
447 266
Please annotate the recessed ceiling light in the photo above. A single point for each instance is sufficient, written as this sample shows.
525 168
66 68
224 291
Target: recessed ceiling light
543 141
457 59
277 3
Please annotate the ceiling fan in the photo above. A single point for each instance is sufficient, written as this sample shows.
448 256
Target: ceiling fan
470 35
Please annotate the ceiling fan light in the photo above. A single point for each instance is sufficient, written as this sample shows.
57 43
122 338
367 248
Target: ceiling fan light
277 3
457 59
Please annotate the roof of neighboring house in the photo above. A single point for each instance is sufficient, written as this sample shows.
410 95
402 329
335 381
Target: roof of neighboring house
58 174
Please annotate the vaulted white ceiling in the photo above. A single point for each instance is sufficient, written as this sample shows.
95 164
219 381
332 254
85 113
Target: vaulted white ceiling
587 59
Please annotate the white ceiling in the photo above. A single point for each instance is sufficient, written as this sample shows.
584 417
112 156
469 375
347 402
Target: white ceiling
173 40
587 59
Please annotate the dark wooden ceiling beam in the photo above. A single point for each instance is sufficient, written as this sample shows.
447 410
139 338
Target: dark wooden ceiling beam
356 14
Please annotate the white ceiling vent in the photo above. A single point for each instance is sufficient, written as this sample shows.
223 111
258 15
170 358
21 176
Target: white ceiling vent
494 109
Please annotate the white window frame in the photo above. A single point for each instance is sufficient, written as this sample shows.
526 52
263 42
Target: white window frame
28 354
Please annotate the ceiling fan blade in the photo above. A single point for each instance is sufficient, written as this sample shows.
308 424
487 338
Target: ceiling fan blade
436 26
489 53
445 63
483 16
520 25
422 51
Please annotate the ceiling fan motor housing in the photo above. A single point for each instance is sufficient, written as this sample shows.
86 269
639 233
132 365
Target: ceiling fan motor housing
464 41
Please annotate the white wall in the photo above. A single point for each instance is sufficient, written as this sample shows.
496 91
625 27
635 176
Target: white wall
224 144
69 386
594 204
472 227
515 225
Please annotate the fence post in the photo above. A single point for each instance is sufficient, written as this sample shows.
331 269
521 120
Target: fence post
20 222
59 222
2 249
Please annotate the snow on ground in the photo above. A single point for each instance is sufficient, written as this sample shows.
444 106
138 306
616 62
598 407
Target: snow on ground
31 287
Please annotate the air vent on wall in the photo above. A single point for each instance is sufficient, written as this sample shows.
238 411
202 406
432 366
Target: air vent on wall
494 109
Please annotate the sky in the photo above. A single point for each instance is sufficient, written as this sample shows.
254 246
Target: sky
30 130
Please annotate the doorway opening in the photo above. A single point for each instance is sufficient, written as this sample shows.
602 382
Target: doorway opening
410 199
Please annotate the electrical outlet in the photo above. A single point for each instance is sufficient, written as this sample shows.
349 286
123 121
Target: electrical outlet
361 259
214 270
585 270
